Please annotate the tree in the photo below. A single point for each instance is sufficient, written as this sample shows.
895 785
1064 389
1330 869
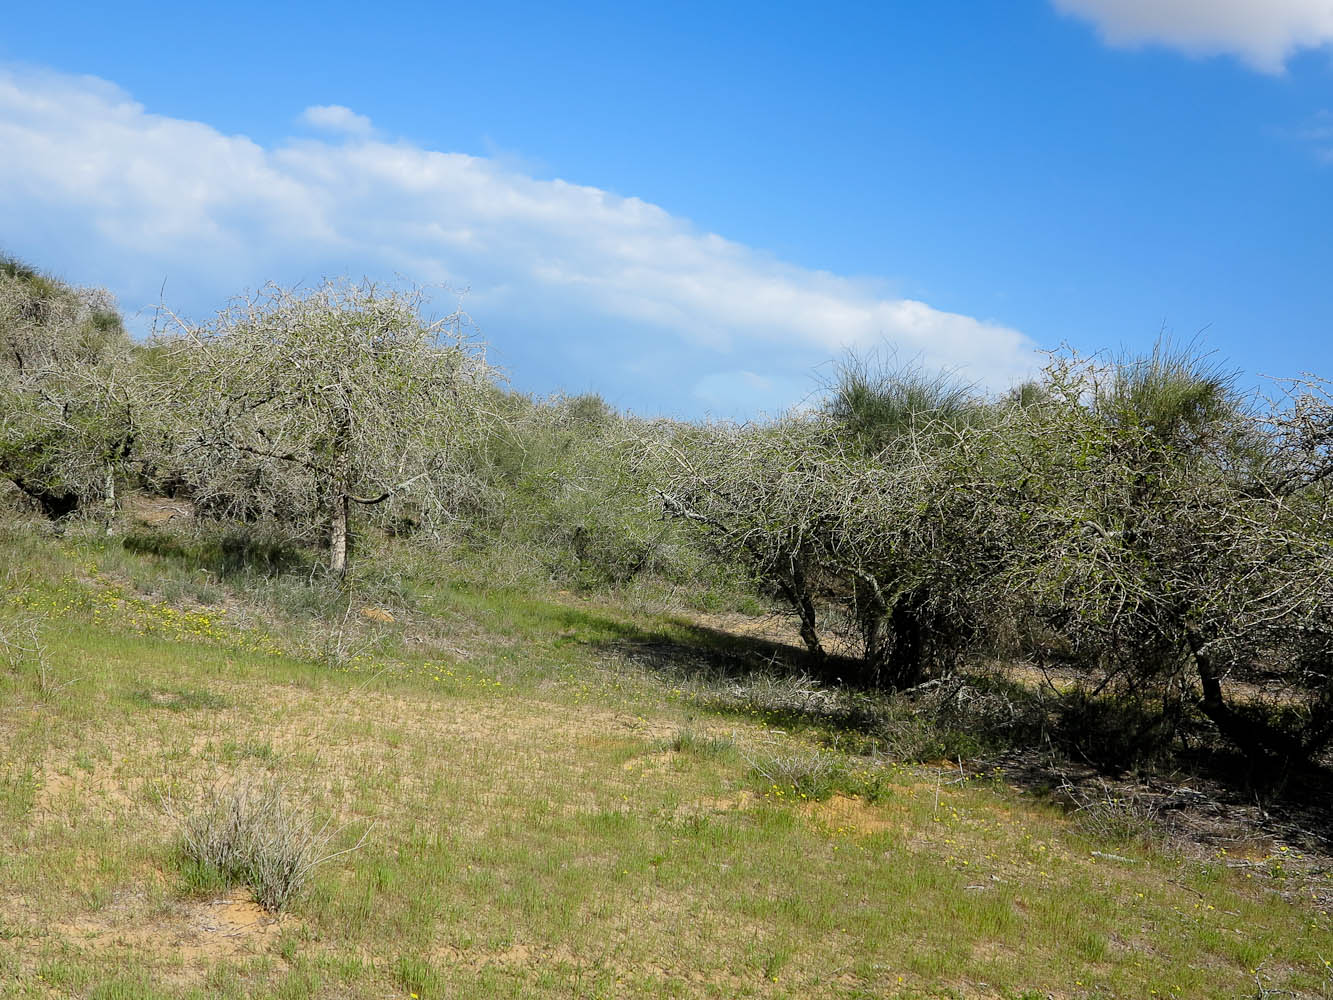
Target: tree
890 545
756 493
299 405
70 392
1173 534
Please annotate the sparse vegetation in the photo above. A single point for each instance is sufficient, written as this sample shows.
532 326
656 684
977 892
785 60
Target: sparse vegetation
914 693
250 832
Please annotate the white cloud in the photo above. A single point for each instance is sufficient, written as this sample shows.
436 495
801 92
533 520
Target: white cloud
1264 33
605 278
336 118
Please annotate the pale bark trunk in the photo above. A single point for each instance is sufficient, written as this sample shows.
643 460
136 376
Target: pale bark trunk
338 541
341 502
110 500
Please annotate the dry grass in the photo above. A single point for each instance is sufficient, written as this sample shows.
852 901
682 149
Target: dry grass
250 831
550 821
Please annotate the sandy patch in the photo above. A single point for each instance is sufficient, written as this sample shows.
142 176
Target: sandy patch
776 628
140 508
75 786
849 815
199 932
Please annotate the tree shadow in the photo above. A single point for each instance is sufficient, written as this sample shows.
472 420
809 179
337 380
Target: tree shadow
1094 745
222 553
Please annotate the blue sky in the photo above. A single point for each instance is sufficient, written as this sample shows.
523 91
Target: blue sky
690 209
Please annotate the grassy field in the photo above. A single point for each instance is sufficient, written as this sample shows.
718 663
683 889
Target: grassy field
544 813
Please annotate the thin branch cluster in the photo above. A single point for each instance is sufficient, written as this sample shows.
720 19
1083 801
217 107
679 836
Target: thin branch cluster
1137 517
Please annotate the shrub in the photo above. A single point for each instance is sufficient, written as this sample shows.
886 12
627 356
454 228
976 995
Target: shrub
883 540
687 740
70 393
1118 819
251 833
807 774
300 406
1174 533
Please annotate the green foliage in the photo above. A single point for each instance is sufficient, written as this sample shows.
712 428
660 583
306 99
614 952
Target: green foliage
70 395
1180 397
873 403
570 502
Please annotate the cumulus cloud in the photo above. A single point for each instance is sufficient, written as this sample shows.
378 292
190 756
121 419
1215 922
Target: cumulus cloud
1264 33
336 118
592 280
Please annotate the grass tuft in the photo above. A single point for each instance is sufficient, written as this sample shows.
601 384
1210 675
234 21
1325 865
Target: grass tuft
686 740
252 833
1115 819
802 774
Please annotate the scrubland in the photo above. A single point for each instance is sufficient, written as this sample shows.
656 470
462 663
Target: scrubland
554 793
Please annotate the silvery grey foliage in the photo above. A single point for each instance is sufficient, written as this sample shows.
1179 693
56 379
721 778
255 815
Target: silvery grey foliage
70 392
891 551
1139 518
297 406
1178 534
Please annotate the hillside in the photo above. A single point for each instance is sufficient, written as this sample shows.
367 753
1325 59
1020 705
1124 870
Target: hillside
552 794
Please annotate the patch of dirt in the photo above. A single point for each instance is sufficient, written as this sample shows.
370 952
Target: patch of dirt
154 512
79 786
849 815
739 802
653 763
236 919
775 628
199 932
517 954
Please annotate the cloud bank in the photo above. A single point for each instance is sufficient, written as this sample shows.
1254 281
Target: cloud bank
336 118
1263 33
572 278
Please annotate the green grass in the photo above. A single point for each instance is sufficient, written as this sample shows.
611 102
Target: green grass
549 817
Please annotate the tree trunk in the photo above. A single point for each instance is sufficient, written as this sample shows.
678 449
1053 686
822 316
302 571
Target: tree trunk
109 499
338 535
877 639
909 643
1263 746
342 502
798 593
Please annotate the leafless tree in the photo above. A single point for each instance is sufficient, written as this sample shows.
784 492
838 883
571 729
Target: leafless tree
298 405
892 549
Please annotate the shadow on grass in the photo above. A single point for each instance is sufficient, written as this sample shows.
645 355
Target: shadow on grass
1049 743
178 699
223 553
